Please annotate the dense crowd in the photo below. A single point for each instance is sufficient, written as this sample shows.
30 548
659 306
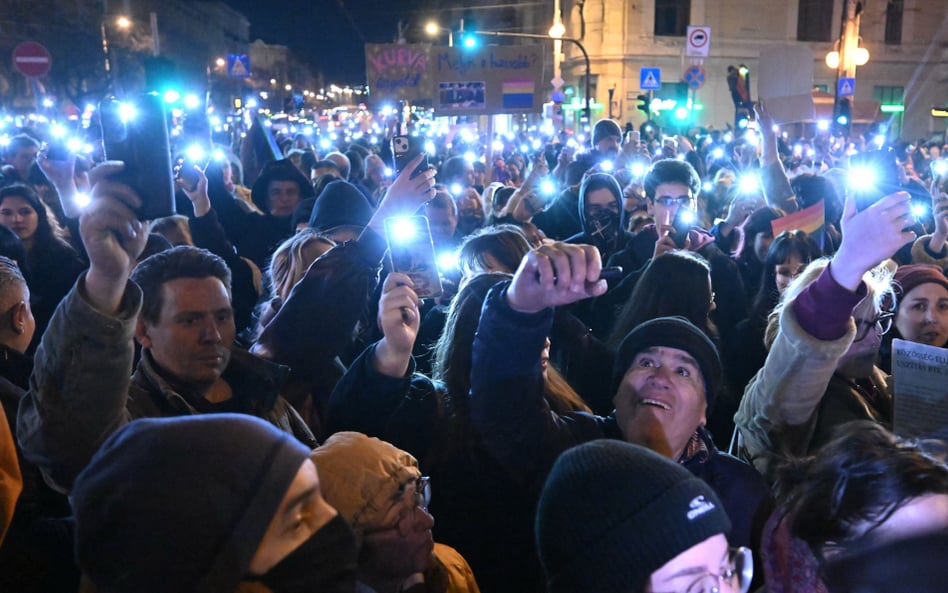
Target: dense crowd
653 364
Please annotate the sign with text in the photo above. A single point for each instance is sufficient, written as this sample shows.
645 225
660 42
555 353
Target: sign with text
490 80
398 72
785 83
921 399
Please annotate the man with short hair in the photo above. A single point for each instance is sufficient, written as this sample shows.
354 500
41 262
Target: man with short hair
177 305
19 155
672 186
665 376
342 163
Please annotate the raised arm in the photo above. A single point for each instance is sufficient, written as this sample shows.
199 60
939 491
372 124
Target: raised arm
79 386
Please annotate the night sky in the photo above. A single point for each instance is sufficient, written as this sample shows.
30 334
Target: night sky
330 33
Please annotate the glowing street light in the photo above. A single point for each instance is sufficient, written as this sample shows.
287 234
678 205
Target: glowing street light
123 22
220 62
432 28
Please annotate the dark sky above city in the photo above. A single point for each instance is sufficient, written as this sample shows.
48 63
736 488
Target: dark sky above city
330 33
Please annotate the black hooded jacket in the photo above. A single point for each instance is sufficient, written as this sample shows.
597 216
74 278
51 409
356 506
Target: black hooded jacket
616 236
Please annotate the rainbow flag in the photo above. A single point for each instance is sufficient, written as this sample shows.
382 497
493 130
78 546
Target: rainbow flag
517 94
809 220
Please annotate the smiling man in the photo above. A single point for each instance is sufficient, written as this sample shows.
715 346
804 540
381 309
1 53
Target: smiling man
665 374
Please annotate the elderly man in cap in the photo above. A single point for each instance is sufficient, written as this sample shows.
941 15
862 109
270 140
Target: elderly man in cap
665 375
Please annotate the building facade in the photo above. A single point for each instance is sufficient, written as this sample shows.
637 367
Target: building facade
907 40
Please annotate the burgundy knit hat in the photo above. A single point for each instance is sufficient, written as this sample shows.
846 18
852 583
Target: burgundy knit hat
908 277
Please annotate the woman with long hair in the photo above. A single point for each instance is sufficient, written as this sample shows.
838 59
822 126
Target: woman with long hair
744 351
53 264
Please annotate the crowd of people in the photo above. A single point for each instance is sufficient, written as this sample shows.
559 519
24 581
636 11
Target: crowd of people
636 377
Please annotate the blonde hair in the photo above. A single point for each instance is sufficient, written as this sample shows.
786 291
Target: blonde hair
878 281
288 266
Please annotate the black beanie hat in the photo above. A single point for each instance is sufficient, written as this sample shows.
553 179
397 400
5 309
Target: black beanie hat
340 204
605 128
611 513
671 332
178 505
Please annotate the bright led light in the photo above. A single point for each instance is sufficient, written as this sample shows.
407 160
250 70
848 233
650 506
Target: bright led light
749 184
823 125
192 101
879 140
389 172
537 145
82 200
798 149
325 143
47 102
862 178
718 153
606 166
448 261
57 130
126 112
456 189
638 169
681 113
195 153
497 145
218 155
752 138
940 167
402 230
470 157
430 147
686 216
251 103
524 148
707 186
87 148
4 140
74 145
171 96
919 210
547 187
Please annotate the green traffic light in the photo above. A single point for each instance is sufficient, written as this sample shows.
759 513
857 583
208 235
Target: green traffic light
470 41
171 96
681 113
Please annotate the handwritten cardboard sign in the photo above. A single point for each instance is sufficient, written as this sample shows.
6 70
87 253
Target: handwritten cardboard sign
488 80
398 72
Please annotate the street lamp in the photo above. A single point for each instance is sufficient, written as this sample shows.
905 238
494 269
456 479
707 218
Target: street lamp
432 28
587 109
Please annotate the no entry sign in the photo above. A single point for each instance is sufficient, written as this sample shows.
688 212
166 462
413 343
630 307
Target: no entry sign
31 59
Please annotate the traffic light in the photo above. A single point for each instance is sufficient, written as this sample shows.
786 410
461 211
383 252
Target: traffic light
161 76
643 104
469 41
843 116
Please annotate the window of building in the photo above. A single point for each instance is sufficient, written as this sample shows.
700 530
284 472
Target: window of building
893 22
672 17
888 95
815 20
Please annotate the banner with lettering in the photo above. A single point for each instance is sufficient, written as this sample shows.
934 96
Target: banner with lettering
493 79
398 72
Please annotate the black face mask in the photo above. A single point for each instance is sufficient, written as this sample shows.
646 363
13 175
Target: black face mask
325 563
603 227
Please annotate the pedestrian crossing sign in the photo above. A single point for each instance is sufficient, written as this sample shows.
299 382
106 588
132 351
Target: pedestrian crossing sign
846 87
238 65
650 79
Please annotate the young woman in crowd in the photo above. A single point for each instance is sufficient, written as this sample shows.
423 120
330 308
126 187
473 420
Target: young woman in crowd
921 309
787 257
53 264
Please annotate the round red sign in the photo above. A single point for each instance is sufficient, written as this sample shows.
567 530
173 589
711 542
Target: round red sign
31 59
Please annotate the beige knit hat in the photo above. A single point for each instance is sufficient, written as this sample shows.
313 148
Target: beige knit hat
362 477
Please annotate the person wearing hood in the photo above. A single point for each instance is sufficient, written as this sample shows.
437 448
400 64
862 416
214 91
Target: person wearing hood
277 192
672 186
220 503
601 215
340 212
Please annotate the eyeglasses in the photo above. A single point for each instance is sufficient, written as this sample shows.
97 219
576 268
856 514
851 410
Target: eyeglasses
668 201
736 577
882 323
421 498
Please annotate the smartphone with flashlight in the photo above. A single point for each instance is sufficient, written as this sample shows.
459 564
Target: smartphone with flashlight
185 173
681 226
872 176
136 133
412 253
405 149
